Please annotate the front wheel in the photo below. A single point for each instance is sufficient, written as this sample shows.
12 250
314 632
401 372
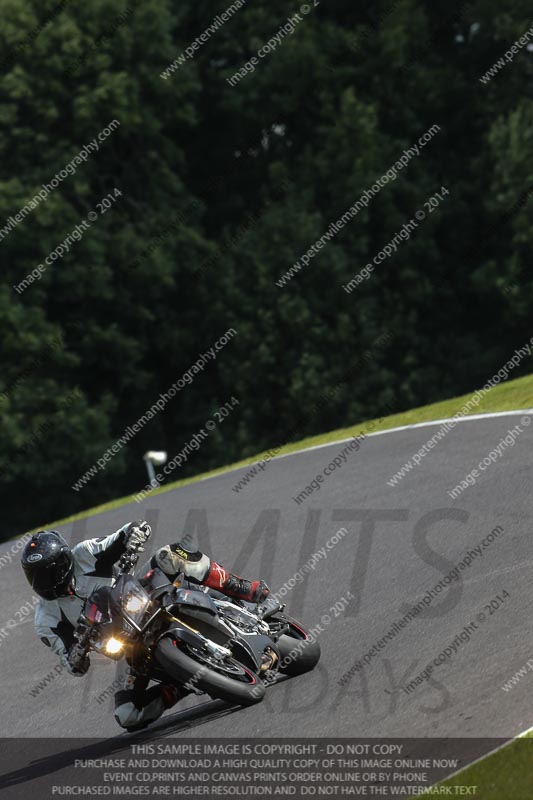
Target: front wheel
224 680
299 652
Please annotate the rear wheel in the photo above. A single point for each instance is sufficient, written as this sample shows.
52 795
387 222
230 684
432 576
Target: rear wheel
225 680
299 653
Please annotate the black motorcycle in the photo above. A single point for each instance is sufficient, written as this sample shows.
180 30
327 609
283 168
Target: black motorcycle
188 635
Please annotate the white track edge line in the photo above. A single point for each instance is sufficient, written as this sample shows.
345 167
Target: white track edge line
429 423
487 755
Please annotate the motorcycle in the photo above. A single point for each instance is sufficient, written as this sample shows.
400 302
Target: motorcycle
182 633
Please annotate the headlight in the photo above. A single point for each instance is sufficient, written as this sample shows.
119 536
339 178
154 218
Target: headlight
113 646
136 602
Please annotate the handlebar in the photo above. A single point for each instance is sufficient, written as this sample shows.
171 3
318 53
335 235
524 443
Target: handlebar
79 650
77 654
129 559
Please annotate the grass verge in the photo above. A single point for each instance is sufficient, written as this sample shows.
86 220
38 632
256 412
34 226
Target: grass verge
507 774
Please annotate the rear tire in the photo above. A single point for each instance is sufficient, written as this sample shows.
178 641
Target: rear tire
182 668
298 650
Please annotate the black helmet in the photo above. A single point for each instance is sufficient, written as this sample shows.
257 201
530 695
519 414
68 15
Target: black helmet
48 565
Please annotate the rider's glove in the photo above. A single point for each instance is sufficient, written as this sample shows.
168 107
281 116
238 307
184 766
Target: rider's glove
80 668
76 666
137 534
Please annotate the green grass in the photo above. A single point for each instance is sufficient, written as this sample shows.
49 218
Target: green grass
505 775
508 396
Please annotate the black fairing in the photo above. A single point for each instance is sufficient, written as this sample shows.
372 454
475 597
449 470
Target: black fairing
187 598
99 601
157 584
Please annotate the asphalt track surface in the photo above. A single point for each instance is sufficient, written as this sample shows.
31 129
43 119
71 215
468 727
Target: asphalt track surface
420 535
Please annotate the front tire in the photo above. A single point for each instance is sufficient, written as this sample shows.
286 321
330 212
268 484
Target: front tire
245 689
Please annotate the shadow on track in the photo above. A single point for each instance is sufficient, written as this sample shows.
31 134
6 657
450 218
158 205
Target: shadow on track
43 757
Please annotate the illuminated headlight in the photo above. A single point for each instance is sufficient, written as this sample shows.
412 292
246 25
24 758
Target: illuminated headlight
113 646
135 604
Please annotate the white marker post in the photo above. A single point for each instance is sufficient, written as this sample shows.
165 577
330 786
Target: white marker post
154 458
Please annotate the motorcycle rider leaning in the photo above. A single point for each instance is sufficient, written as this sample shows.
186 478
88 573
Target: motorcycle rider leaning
64 578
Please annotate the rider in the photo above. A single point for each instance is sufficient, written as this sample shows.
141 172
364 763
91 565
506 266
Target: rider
64 578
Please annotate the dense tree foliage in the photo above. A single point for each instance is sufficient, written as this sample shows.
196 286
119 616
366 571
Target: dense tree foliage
224 188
